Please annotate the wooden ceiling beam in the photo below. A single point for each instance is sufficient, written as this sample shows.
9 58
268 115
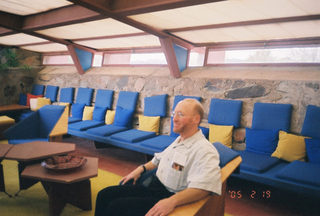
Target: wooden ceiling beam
168 49
129 7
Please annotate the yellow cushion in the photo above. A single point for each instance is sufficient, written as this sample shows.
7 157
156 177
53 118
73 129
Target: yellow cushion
63 104
149 123
42 102
87 113
4 120
221 133
290 147
110 116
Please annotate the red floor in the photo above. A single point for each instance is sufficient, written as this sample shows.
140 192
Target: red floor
244 198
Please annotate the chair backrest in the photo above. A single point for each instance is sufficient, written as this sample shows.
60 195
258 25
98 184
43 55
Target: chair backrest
66 95
176 100
155 105
51 92
311 124
268 116
225 112
84 96
104 98
37 89
127 100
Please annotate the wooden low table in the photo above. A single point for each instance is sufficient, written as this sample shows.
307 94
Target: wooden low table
34 152
12 107
65 186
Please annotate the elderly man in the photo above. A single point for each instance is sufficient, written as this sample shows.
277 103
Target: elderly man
188 170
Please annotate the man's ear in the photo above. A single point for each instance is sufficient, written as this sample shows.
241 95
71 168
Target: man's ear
196 119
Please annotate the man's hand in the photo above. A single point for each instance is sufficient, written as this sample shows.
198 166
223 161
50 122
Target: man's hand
162 208
134 175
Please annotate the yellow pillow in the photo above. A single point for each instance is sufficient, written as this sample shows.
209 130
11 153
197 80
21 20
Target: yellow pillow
42 102
110 116
221 133
290 147
87 113
149 123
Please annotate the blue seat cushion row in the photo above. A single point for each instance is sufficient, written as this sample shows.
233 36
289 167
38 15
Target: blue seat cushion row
37 89
311 124
105 130
104 98
20 141
127 100
123 117
84 125
84 96
159 142
256 162
99 113
226 154
133 135
261 141
77 110
67 95
225 112
313 150
307 173
268 116
73 120
52 92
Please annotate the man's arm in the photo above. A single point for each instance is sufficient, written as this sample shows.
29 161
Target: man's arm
165 206
136 173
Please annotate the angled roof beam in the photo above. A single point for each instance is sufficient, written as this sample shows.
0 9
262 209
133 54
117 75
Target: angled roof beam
129 7
62 16
10 21
169 52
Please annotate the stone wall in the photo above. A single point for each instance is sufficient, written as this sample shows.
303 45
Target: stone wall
298 86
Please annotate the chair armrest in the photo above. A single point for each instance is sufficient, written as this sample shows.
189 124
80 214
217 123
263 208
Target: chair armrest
61 127
212 204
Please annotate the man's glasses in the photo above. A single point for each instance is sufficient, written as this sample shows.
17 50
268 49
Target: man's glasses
179 114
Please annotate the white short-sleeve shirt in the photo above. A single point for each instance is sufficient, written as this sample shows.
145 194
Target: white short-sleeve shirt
192 163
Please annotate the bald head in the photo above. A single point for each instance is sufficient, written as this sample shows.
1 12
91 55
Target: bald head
195 107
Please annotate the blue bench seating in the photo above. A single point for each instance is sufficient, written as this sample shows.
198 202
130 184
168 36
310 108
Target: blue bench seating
267 160
51 93
47 123
104 99
83 98
124 111
66 95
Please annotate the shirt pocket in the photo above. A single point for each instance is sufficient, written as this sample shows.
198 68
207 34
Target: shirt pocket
174 179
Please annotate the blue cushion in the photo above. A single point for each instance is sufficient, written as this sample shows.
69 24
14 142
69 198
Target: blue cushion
261 141
311 124
20 141
205 131
268 116
104 98
313 150
123 117
84 125
133 135
52 92
77 110
37 89
226 154
99 113
22 99
158 143
155 105
257 162
73 120
302 172
225 112
127 100
84 96
105 130
66 95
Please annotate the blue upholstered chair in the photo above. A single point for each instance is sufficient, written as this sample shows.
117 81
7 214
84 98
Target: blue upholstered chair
51 93
154 106
45 124
83 98
126 106
104 99
159 143
262 137
66 95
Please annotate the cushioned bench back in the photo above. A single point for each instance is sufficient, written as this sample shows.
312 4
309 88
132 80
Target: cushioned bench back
176 100
311 124
67 95
37 89
104 98
225 112
51 92
127 100
84 96
268 116
155 105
